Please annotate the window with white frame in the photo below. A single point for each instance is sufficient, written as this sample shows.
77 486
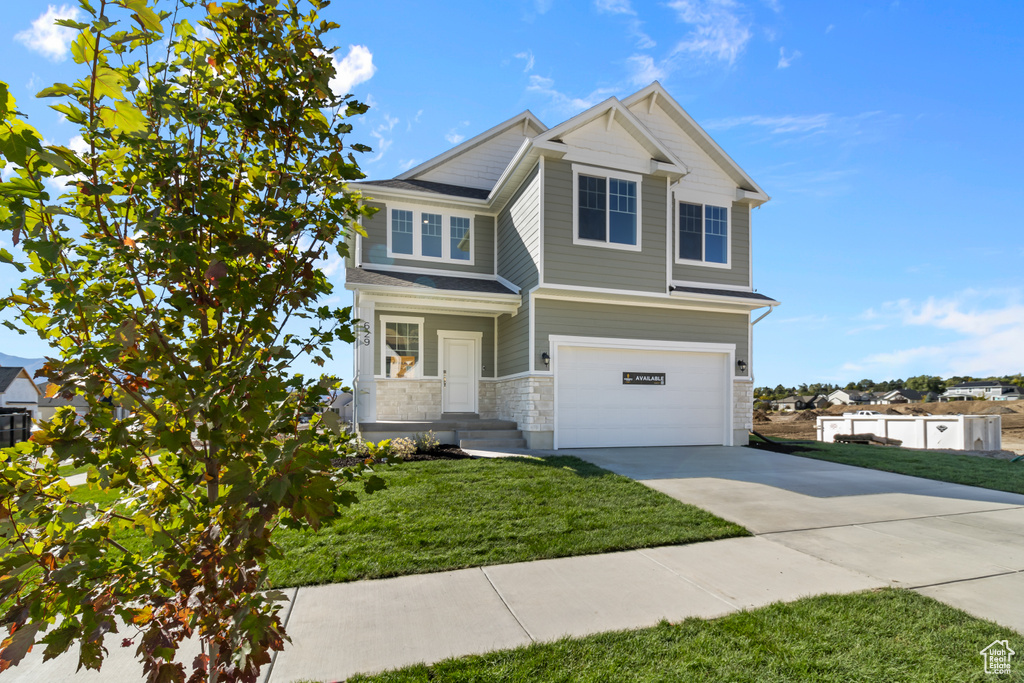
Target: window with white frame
606 208
430 235
703 233
402 347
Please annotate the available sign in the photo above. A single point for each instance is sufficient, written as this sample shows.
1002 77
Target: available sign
643 378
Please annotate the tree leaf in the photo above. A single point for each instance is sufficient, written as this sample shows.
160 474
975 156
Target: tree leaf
17 645
125 117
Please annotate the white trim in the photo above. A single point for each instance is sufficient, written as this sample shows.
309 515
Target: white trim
417 234
588 157
710 285
477 339
389 267
540 197
607 174
532 331
358 256
668 224
556 341
417 370
519 375
514 287
682 197
510 169
494 370
651 299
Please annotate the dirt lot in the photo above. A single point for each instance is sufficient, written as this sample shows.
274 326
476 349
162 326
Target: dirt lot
801 425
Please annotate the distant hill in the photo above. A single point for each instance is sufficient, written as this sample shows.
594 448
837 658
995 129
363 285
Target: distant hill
30 364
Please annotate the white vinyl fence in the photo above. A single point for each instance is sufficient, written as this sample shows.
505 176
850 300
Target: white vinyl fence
959 432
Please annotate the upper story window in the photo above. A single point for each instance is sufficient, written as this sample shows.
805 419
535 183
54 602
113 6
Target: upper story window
606 208
430 235
703 234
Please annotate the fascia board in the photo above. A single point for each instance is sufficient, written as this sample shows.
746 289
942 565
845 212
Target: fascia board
692 128
389 192
445 294
474 142
722 304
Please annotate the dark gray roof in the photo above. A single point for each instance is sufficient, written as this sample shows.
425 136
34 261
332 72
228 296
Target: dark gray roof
365 276
723 292
428 187
7 376
964 385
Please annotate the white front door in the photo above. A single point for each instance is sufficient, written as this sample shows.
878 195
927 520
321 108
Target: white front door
458 375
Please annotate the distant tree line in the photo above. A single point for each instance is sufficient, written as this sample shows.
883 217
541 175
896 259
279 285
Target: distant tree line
918 383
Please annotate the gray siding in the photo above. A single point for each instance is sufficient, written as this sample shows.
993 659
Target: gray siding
585 266
633 322
519 235
739 273
375 244
514 341
431 325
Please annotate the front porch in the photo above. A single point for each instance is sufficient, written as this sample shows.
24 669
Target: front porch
466 430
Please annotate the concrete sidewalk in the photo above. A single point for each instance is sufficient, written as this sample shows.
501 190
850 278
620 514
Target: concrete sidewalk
822 528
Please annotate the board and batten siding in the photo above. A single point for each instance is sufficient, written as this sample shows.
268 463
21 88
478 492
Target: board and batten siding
432 323
519 235
581 319
581 265
375 244
739 272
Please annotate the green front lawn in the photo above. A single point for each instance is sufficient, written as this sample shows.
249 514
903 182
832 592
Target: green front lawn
1000 475
886 635
450 514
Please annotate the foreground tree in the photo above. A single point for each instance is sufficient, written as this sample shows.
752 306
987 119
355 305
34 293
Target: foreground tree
172 271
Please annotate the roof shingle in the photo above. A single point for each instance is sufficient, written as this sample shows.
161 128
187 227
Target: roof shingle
366 276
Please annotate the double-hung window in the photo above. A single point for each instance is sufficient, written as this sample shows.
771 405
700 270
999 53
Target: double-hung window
703 233
606 208
430 235
401 347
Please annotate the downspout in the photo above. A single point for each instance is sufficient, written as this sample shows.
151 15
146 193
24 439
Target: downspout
763 316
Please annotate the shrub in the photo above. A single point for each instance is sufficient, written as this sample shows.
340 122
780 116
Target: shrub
427 443
403 448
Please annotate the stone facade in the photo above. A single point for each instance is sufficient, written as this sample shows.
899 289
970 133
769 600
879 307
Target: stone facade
529 401
487 399
742 404
408 399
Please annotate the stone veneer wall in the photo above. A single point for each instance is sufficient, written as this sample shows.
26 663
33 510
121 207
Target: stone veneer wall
529 401
408 399
742 404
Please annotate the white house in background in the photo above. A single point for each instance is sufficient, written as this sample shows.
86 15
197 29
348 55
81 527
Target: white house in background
18 391
848 397
993 391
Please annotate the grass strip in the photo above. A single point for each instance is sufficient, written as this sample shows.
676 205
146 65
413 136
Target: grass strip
989 473
450 514
877 636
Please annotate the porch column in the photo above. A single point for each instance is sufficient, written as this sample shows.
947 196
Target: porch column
365 388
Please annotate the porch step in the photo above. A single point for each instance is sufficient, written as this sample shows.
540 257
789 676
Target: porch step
492 444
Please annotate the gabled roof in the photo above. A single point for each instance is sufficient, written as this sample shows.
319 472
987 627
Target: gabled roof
524 120
615 109
8 375
698 134
430 187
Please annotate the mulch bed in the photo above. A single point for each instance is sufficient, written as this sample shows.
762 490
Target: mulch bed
445 451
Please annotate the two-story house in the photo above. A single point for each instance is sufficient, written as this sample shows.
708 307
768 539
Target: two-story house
590 282
992 391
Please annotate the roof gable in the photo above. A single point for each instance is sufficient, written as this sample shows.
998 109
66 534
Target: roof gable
481 160
8 375
655 97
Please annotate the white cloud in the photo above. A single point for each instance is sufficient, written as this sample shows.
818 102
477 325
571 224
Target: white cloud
406 164
78 144
644 70
528 57
775 124
614 6
828 29
542 6
719 32
784 60
48 39
563 103
453 137
773 5
982 331
381 134
357 67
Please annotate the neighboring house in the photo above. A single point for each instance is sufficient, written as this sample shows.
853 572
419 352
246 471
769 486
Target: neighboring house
342 406
907 396
993 391
48 406
791 403
590 282
848 397
18 391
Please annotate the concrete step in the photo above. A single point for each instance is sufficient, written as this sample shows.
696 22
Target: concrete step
492 444
490 434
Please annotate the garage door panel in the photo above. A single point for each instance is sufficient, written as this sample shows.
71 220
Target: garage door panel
596 409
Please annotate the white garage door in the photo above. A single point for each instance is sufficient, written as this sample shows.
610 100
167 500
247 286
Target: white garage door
595 408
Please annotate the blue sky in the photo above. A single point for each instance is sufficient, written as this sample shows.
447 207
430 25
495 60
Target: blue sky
887 133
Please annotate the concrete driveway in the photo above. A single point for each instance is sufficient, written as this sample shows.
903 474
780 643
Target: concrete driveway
960 544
